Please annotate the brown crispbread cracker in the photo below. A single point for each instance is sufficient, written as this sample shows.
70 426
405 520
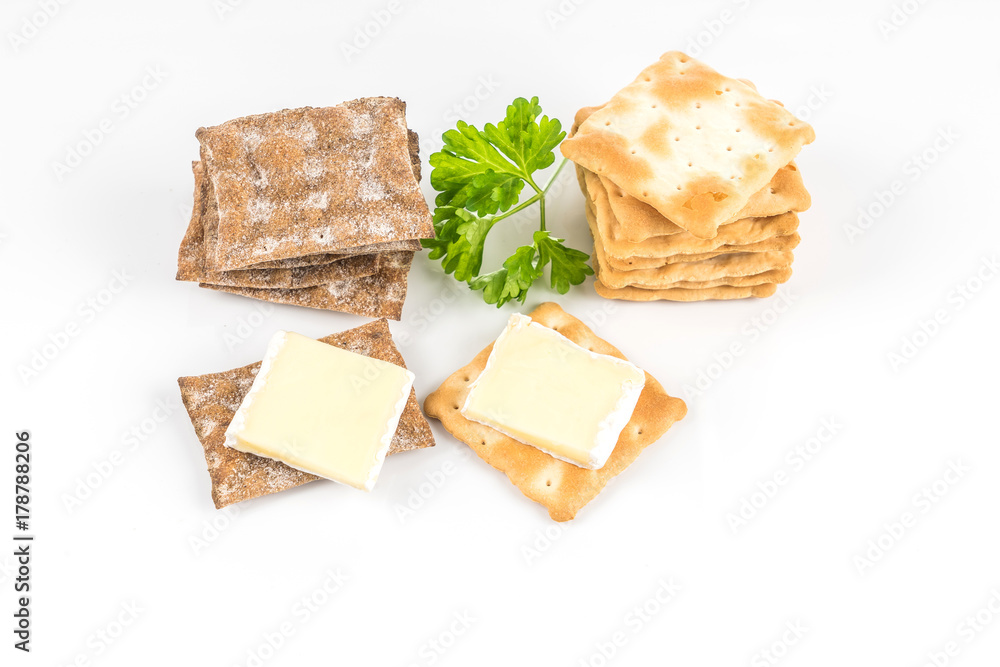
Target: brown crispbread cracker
211 401
308 181
191 258
327 257
690 142
378 295
561 487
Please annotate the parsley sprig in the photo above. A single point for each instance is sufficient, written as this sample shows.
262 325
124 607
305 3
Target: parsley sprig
480 177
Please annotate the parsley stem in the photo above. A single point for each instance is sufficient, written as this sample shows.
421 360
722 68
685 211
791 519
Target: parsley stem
542 192
517 209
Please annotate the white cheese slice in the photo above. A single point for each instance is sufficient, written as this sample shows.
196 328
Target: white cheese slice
544 390
321 409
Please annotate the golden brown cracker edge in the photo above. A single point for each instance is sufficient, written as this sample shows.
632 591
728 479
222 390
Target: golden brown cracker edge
561 487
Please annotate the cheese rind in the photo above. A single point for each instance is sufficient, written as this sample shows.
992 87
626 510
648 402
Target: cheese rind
321 409
544 390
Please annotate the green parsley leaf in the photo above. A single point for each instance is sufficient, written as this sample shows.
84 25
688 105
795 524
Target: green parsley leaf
512 281
567 266
480 177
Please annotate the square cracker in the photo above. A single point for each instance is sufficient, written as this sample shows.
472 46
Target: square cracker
212 400
728 265
723 292
306 181
561 487
379 295
690 142
191 257
636 221
327 257
738 233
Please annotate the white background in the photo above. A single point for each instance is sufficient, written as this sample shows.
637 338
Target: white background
538 593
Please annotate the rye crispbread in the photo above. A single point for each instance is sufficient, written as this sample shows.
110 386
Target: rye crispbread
191 258
561 487
378 295
211 401
308 181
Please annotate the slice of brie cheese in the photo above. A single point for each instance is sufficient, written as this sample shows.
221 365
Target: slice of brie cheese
544 390
321 409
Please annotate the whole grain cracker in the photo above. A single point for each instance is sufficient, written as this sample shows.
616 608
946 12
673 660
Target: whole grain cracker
191 258
561 487
378 295
211 401
306 181
690 142
327 257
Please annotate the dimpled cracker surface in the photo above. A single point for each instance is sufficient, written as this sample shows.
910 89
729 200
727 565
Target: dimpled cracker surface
690 142
636 221
378 295
306 181
212 400
561 487
191 258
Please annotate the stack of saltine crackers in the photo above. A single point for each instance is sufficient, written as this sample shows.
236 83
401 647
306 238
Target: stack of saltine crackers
691 188
313 207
